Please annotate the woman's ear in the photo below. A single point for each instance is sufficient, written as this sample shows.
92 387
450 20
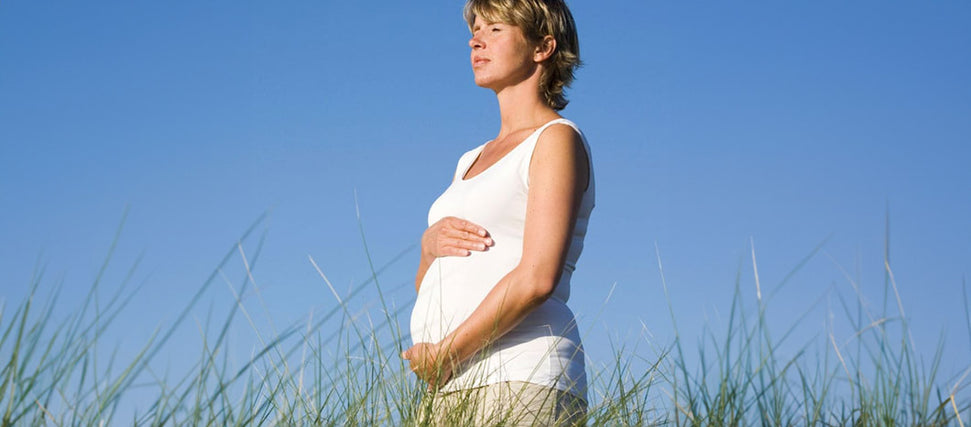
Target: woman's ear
544 49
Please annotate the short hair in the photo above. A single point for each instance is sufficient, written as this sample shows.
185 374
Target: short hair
538 19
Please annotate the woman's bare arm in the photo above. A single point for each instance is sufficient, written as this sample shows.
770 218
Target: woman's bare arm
558 175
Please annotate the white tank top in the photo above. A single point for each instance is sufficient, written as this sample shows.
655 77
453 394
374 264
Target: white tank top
545 347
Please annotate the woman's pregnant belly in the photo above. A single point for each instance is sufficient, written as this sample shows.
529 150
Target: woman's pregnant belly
452 289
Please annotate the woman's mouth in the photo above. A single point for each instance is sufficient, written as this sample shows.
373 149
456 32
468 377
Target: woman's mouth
478 61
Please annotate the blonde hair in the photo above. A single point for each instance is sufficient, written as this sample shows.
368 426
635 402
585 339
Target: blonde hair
538 19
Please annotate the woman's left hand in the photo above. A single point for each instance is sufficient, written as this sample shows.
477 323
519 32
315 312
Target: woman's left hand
430 362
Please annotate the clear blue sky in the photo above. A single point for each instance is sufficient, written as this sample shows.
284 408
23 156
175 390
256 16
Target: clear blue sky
712 125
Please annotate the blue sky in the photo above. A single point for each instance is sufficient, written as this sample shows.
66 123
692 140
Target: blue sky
712 126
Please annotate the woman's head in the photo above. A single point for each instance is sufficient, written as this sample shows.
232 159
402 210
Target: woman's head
538 19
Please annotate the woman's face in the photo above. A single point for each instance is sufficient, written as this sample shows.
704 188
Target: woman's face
501 55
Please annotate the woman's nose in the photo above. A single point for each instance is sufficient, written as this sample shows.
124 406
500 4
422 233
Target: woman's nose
475 43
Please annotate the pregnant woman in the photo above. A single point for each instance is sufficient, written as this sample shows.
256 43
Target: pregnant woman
494 338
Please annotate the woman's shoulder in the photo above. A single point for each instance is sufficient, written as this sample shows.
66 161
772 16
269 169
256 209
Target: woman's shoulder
561 148
555 129
560 134
564 121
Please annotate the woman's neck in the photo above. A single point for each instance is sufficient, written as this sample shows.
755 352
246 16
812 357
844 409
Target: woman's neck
522 107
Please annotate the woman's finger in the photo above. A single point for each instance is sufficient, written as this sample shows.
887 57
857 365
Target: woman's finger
460 234
469 237
455 251
462 240
467 244
469 226
452 236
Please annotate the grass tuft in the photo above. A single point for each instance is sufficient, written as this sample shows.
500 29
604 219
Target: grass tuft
342 366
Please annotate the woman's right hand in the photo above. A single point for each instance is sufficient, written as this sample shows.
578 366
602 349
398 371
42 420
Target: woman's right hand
452 236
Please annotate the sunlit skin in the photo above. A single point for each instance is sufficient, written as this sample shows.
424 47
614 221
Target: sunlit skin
504 61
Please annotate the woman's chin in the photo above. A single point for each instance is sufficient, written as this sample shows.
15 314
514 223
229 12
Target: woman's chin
483 83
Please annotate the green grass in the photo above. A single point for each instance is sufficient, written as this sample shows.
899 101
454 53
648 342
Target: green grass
313 373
